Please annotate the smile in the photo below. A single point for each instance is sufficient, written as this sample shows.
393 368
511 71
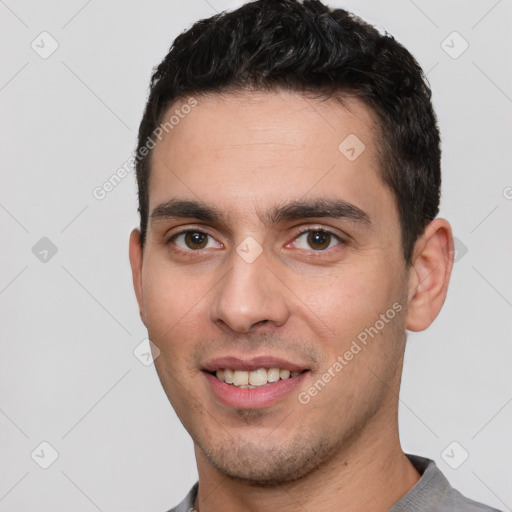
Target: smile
253 379
253 382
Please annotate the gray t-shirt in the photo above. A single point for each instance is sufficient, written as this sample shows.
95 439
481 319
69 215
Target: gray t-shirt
431 493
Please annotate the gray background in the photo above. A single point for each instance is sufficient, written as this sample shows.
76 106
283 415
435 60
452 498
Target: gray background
70 323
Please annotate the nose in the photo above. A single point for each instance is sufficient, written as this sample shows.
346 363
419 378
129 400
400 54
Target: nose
249 295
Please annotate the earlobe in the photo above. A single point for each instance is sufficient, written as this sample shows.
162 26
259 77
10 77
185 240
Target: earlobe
429 274
135 254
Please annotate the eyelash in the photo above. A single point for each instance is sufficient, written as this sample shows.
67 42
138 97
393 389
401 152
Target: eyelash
184 232
323 231
318 253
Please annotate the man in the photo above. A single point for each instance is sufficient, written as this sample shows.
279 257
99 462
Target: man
289 176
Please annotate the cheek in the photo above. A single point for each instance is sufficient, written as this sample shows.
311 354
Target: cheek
176 309
362 349
350 300
351 305
170 298
174 313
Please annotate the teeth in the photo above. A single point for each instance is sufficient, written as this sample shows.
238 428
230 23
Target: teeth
273 375
229 376
256 378
241 378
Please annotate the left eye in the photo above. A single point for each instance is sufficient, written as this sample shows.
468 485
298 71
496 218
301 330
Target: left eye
317 239
194 240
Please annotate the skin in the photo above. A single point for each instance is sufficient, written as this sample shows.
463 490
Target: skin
247 154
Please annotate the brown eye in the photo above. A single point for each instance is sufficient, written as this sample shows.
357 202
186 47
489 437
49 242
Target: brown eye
319 240
196 240
190 240
316 240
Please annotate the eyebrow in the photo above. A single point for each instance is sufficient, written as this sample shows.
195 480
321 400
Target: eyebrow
290 211
178 209
333 208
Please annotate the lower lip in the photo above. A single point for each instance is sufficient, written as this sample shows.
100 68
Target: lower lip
255 398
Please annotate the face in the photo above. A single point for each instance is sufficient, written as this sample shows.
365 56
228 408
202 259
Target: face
272 282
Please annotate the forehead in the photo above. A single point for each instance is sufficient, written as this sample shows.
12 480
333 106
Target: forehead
245 151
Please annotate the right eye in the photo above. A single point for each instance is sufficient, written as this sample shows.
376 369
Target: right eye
193 240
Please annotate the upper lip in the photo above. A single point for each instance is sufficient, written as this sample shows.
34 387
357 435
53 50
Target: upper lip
250 364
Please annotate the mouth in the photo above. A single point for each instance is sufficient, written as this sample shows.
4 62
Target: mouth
245 379
253 383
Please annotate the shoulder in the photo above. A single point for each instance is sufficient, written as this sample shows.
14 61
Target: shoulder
433 492
187 505
455 501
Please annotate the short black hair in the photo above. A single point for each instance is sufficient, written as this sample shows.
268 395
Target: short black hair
307 47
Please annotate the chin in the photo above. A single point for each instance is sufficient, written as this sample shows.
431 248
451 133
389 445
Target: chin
269 465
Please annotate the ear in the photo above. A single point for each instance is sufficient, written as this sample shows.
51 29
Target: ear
135 252
430 272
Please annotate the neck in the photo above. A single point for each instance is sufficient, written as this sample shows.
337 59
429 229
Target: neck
371 474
